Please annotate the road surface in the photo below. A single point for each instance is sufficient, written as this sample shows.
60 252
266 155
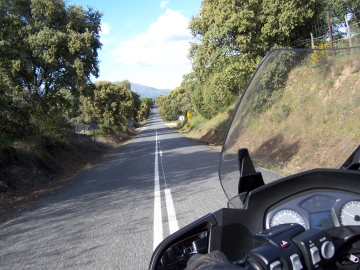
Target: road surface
113 215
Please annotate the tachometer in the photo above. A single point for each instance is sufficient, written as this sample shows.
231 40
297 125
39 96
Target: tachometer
286 216
350 213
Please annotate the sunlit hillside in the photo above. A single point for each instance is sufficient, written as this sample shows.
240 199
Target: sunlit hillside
314 122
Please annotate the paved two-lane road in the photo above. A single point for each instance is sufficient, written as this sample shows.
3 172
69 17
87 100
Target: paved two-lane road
111 216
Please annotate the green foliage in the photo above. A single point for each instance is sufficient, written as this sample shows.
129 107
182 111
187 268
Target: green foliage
70 104
231 37
145 108
283 22
340 8
48 54
48 51
48 46
272 80
175 104
111 105
47 114
14 116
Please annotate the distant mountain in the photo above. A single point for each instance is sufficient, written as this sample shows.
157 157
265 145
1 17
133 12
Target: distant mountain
147 91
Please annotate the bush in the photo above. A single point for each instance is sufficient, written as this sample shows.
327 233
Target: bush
273 80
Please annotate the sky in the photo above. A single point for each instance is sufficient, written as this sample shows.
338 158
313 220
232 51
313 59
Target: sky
144 41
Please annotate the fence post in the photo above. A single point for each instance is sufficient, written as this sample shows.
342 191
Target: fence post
330 31
349 32
312 41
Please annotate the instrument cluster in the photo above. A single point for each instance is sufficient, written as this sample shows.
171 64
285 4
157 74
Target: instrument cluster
317 210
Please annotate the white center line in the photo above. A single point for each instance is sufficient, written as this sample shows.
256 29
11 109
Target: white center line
158 225
173 223
158 229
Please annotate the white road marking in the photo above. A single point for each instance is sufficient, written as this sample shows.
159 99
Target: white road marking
162 165
158 229
173 223
158 223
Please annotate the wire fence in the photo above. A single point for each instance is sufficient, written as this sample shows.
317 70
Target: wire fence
321 36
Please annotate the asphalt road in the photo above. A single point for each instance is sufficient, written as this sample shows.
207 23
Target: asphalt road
112 216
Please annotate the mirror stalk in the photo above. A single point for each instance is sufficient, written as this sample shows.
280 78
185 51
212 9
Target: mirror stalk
249 178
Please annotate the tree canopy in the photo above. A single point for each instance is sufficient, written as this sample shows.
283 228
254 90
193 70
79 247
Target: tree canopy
47 46
175 104
230 37
111 105
48 56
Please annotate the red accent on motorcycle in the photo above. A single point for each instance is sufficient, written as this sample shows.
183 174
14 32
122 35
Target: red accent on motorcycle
284 244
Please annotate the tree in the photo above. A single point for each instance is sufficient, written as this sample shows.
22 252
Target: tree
232 36
175 104
47 46
341 8
14 116
145 108
70 104
48 52
111 105
107 101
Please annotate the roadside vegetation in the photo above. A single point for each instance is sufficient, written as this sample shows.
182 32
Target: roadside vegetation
48 55
312 118
230 39
286 132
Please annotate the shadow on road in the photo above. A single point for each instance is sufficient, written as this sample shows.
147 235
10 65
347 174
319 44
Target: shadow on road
104 218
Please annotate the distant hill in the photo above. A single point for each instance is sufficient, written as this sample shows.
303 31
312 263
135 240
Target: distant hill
147 91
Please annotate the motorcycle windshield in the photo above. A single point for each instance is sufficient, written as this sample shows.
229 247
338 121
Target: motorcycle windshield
299 111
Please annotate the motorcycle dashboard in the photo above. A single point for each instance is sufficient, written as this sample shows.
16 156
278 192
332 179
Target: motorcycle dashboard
319 209
319 198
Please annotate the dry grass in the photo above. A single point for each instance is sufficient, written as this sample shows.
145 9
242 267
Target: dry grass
314 124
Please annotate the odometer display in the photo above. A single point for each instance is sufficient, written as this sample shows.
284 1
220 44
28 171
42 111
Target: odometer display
286 216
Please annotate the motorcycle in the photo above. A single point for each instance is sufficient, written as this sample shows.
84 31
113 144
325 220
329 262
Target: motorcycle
290 169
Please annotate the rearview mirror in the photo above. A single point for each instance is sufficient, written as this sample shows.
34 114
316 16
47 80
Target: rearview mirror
175 250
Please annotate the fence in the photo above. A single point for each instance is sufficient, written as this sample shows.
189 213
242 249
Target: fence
79 127
316 38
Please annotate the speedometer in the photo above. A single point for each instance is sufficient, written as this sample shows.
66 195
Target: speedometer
286 216
350 213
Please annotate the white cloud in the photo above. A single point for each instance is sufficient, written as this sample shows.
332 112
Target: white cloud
105 40
165 42
105 29
164 3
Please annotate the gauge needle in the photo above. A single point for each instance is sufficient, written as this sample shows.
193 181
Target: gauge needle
279 221
349 214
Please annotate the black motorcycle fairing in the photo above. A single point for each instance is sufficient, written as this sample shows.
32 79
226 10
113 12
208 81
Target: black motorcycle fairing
261 199
347 243
353 162
232 231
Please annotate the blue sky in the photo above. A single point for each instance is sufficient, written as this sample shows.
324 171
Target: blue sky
144 41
